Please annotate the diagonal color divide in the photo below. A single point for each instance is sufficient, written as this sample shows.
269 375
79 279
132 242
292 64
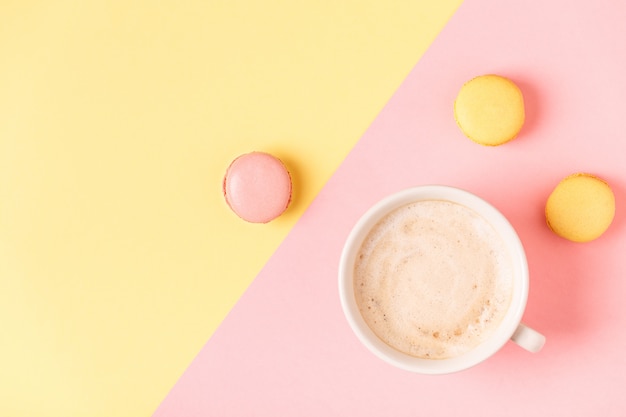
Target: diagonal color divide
286 349
118 256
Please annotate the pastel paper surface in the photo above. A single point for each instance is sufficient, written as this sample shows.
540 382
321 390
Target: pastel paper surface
118 254
286 349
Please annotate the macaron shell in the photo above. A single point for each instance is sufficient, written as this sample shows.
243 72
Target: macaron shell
257 187
489 110
581 208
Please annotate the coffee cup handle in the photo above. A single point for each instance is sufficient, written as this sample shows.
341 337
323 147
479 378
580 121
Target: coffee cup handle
528 338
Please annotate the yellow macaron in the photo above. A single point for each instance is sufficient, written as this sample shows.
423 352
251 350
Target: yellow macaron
581 208
489 109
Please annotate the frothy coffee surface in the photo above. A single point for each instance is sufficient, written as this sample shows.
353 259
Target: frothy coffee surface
433 279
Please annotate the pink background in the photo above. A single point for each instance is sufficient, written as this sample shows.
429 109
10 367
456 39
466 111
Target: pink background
286 348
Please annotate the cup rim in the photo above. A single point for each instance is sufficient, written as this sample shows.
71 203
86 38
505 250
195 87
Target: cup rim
476 355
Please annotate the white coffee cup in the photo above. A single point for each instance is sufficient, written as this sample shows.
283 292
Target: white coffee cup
509 328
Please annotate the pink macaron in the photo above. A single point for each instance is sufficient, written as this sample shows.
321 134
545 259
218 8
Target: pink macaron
257 187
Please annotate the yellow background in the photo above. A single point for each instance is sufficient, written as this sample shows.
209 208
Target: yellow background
118 255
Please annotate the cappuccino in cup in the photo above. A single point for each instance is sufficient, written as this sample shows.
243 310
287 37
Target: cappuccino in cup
434 279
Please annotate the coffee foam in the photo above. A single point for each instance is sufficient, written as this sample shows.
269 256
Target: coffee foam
433 279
